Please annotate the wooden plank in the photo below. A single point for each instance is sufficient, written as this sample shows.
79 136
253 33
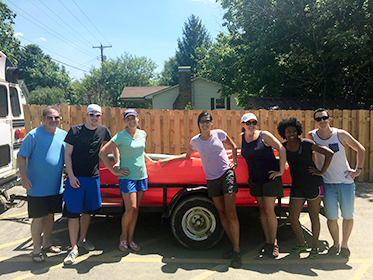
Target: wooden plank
157 131
370 154
27 118
65 112
166 132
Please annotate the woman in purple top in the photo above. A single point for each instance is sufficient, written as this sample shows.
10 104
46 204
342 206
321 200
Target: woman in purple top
264 176
221 179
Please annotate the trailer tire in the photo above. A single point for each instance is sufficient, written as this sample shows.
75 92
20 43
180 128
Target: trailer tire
195 223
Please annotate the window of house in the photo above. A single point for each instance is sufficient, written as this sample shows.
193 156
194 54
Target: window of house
220 104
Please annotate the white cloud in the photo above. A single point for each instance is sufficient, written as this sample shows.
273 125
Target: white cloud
42 39
18 34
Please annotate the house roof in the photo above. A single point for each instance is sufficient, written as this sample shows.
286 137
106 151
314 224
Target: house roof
278 103
140 92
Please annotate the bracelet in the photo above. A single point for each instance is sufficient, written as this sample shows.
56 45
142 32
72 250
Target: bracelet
359 168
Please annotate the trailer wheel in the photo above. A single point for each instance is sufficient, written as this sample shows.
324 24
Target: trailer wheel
195 223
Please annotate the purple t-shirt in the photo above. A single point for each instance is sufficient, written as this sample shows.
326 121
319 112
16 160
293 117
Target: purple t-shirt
214 158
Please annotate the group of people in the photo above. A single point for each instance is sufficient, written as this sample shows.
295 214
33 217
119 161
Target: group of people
47 148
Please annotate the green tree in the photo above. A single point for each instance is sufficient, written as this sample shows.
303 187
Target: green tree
107 82
47 96
195 35
8 43
301 48
40 70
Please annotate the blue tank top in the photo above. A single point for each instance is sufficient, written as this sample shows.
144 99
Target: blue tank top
260 159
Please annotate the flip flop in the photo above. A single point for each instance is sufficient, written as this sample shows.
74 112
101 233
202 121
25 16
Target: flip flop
134 246
51 249
123 246
38 257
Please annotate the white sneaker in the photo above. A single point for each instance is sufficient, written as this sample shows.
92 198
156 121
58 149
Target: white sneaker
70 259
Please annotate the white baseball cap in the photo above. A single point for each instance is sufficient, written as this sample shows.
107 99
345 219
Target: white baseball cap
93 107
248 116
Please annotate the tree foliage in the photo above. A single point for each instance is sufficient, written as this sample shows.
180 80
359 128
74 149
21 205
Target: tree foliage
40 70
105 84
195 36
295 48
47 96
8 43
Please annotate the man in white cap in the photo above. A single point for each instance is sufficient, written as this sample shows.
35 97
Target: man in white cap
82 189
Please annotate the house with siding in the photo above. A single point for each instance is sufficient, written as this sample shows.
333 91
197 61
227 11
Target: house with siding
199 93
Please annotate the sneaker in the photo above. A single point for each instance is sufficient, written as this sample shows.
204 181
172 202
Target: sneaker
236 260
265 248
86 245
299 248
314 253
345 252
228 254
333 251
70 259
273 251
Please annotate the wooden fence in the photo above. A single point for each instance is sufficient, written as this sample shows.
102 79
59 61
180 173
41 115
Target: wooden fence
169 131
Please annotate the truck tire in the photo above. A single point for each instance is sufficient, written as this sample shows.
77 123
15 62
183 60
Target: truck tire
195 223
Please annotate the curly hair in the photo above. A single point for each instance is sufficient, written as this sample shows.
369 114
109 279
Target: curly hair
282 125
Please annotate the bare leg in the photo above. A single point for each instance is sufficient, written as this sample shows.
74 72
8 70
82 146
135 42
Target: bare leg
268 218
130 215
314 210
85 220
346 231
36 231
73 232
334 231
295 208
47 230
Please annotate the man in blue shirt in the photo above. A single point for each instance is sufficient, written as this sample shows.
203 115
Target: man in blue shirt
40 162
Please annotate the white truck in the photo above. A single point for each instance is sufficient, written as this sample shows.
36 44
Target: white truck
12 125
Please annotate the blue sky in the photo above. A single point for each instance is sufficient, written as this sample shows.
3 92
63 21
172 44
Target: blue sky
68 29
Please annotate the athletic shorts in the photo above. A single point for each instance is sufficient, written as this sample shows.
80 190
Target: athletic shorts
309 193
86 199
342 194
42 206
130 186
272 188
225 184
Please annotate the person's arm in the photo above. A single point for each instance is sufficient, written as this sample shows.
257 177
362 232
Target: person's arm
233 146
74 182
360 152
274 143
309 136
328 153
147 158
186 155
22 161
111 147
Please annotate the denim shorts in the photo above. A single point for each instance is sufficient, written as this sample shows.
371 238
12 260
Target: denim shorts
130 186
339 196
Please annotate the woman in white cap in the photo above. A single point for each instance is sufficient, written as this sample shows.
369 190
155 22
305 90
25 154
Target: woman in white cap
132 173
264 176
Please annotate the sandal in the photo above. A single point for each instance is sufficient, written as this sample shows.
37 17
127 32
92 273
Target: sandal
51 249
134 246
123 246
38 257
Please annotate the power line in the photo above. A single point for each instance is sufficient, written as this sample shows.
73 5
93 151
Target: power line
67 42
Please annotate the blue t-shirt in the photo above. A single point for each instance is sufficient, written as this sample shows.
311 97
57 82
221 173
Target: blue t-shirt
45 159
132 154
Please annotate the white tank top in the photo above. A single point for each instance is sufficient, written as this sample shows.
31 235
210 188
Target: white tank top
339 164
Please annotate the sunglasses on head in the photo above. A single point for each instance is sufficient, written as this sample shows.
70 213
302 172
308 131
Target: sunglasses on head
324 118
94 115
205 121
254 122
52 117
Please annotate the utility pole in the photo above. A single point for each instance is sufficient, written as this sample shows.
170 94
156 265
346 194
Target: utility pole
102 51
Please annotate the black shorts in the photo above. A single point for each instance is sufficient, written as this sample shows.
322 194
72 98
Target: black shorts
308 193
42 206
272 188
225 184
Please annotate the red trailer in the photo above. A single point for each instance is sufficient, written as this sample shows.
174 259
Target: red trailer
178 190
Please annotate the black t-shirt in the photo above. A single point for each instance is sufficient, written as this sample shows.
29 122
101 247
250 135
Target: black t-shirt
299 162
87 144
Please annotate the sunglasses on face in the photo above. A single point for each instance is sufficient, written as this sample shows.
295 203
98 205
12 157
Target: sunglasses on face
205 121
254 122
324 118
53 117
94 115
